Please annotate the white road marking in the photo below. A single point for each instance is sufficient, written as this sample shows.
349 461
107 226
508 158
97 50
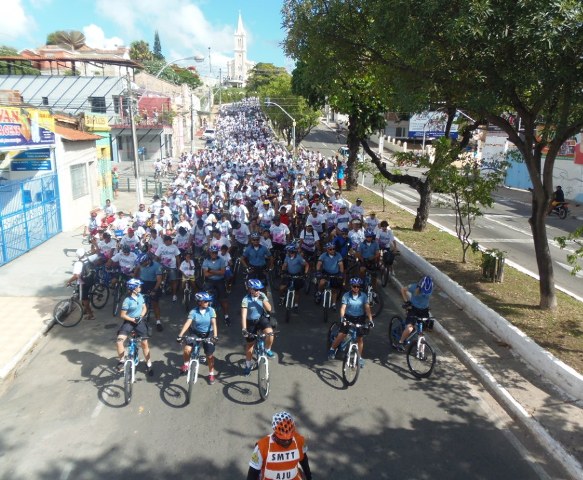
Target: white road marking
569 268
503 240
66 471
97 409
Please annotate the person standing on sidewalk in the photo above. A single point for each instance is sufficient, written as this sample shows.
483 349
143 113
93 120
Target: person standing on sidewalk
85 281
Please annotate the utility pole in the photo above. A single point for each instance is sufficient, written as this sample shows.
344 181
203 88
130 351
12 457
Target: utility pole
139 190
191 122
220 88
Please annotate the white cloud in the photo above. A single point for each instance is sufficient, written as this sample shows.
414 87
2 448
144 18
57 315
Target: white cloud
95 37
14 22
182 27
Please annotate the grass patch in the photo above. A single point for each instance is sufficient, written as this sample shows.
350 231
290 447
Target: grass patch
516 299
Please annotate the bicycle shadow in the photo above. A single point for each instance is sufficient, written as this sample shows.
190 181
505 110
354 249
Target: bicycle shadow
244 391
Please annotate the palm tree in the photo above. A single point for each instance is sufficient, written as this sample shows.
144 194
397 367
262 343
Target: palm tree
71 39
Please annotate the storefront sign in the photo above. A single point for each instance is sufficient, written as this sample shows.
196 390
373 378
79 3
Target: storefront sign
25 127
96 123
37 153
30 165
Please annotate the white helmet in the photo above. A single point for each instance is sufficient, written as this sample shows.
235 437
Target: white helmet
80 252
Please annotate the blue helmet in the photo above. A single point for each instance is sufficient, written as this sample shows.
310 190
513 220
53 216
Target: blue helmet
255 284
355 281
291 248
142 258
255 236
370 233
330 245
214 248
425 285
203 297
133 283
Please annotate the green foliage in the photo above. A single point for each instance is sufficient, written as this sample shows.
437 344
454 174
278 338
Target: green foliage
230 95
173 73
378 179
262 75
157 48
576 239
140 51
188 76
7 51
15 68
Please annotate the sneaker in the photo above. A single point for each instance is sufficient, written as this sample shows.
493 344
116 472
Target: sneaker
269 353
318 297
333 307
159 326
150 370
296 308
400 347
331 354
174 298
227 321
246 371
212 378
281 301
183 368
361 363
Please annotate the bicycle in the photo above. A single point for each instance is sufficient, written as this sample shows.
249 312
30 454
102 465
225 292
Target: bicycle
351 361
69 312
129 366
187 292
421 356
386 269
194 362
326 296
99 295
290 295
262 362
119 291
375 300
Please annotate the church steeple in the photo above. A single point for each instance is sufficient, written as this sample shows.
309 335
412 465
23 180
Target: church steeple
240 29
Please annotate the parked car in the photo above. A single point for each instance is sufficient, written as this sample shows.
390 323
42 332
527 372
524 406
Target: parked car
209 134
344 151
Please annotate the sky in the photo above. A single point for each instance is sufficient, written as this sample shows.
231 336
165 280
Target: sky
186 27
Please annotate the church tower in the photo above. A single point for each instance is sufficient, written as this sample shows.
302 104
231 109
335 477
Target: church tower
239 66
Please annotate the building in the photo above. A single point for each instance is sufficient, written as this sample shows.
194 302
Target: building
238 69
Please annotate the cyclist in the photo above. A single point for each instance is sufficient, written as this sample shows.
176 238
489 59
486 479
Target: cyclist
84 284
150 273
355 308
369 254
168 255
255 316
214 274
132 311
278 455
331 266
357 210
256 256
126 259
280 235
416 297
293 265
387 243
201 321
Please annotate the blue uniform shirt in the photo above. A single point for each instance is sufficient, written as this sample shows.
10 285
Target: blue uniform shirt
133 305
216 264
418 300
368 250
354 306
254 306
201 322
330 265
149 273
256 257
295 265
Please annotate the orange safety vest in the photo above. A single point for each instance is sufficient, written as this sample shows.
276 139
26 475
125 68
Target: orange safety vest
281 463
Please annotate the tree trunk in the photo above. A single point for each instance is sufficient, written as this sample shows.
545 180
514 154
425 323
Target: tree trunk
353 142
424 190
548 298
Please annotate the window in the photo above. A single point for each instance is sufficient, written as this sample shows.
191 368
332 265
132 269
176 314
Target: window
120 104
79 183
400 132
45 100
98 105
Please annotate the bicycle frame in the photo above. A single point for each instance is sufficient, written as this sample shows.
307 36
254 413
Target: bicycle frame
132 355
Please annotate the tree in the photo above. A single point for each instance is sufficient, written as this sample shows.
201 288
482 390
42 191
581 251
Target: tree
14 68
378 179
173 73
230 95
140 51
573 258
261 75
157 49
71 39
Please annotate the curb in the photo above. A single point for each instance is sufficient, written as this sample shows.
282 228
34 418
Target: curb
568 461
553 369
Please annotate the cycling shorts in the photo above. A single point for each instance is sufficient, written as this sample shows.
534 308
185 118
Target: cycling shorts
254 326
208 348
360 331
141 329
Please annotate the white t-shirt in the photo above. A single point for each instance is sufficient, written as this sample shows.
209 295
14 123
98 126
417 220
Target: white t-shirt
167 255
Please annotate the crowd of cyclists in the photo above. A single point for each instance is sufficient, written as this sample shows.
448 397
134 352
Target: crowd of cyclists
242 209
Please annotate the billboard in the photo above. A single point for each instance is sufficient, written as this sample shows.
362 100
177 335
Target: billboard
26 127
430 125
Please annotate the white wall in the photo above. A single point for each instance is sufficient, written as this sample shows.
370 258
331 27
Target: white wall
74 213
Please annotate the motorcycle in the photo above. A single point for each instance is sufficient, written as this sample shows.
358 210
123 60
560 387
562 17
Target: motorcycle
561 210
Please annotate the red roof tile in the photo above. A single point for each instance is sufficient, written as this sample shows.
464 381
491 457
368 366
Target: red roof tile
75 135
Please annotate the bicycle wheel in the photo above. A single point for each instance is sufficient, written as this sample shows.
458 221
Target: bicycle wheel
308 283
562 213
186 300
127 381
191 378
236 268
287 314
351 365
376 303
395 330
99 295
332 334
68 313
116 299
420 358
384 275
325 316
263 377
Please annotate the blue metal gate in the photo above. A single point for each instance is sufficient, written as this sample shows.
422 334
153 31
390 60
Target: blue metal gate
29 215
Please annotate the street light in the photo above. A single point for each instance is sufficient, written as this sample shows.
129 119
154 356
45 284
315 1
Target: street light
268 103
139 187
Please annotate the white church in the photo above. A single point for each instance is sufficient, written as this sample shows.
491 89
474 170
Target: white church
239 67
